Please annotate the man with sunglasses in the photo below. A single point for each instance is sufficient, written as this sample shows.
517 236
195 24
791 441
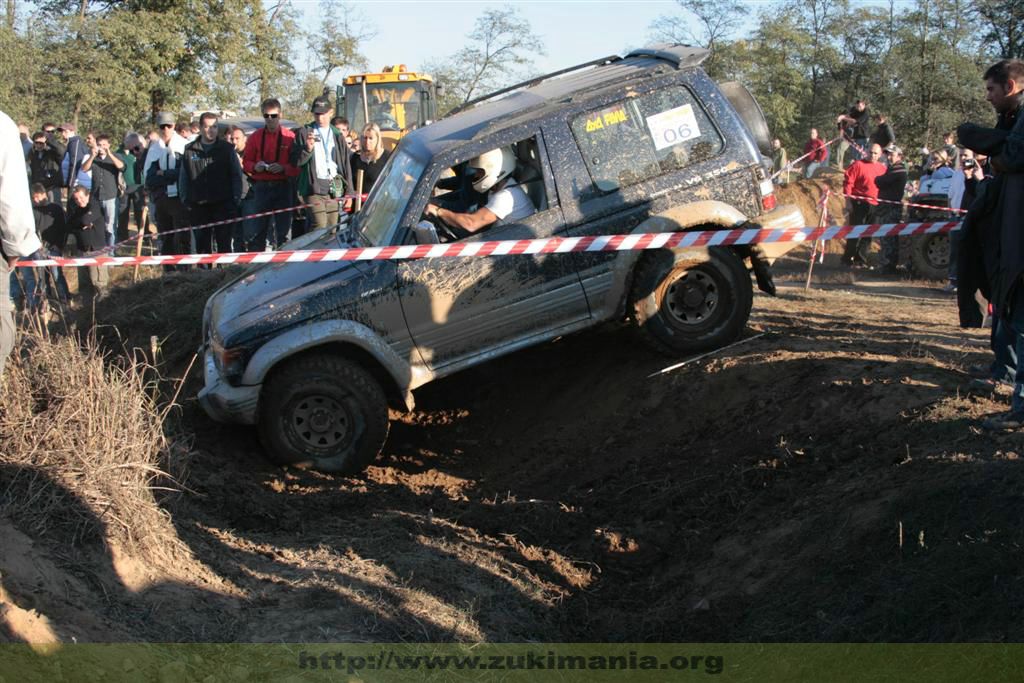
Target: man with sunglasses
163 164
267 163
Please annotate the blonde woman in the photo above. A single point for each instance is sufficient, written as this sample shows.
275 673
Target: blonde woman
371 157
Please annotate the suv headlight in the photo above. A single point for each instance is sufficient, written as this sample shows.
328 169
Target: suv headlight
230 362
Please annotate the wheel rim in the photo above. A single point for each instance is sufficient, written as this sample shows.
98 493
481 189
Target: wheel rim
692 298
937 251
321 422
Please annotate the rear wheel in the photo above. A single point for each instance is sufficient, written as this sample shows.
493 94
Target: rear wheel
323 412
688 306
929 256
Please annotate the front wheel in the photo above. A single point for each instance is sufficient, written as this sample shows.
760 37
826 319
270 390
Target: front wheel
689 306
323 412
929 256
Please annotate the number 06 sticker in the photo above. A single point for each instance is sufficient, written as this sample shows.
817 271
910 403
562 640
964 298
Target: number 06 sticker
673 126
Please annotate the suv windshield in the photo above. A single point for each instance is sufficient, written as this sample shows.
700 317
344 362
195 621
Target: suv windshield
386 201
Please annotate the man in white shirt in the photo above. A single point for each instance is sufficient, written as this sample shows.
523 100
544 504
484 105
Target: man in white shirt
506 200
17 226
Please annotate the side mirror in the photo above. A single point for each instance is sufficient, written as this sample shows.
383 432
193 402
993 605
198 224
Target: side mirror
425 233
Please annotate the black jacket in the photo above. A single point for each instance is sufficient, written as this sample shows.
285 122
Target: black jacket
87 225
883 135
892 183
210 175
305 160
44 165
50 224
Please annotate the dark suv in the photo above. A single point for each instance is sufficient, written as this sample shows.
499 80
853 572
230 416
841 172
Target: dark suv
314 353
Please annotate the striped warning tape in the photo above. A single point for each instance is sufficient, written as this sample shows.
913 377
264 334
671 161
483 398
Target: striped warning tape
550 245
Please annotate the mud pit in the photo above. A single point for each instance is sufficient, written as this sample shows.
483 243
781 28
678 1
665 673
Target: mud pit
825 481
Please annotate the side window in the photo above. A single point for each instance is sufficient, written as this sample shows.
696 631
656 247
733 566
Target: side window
643 137
519 193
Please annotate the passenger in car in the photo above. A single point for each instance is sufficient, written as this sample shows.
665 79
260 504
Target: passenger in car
506 200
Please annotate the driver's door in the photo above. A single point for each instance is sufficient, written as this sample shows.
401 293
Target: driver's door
462 307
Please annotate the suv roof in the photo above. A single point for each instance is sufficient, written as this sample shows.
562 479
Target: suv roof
511 105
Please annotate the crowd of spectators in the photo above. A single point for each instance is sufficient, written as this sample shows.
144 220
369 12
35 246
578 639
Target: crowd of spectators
91 193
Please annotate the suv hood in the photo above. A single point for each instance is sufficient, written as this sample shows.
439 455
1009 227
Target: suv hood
274 295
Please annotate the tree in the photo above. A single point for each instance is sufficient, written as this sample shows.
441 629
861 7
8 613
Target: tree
716 21
1003 26
501 50
337 45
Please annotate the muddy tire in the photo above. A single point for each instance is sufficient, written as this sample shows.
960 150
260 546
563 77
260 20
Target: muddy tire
323 412
929 256
688 306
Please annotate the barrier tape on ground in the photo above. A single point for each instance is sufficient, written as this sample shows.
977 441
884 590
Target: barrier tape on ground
550 245
226 221
791 165
891 201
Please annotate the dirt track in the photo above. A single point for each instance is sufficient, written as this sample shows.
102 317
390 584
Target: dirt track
569 492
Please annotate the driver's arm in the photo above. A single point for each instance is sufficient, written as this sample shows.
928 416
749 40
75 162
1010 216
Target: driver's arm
470 222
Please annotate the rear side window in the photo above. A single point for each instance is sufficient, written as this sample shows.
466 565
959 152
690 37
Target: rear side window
643 137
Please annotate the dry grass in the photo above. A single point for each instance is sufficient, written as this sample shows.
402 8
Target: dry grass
83 450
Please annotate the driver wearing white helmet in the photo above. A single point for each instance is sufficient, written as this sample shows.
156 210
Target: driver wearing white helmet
491 173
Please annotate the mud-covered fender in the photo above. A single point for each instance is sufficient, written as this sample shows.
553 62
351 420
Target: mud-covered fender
677 219
328 332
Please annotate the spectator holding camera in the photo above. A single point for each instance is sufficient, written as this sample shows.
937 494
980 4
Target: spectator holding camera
44 164
106 170
321 157
268 165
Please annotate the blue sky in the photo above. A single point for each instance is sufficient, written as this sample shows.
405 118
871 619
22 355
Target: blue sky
572 31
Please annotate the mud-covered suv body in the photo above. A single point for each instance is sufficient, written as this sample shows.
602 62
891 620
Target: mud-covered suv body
313 353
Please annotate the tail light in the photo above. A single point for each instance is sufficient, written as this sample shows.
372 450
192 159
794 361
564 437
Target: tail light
768 201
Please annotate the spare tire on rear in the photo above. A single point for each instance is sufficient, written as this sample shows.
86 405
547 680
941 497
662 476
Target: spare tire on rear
751 114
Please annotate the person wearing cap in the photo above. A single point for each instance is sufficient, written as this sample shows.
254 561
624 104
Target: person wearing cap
210 185
321 157
17 226
162 168
267 162
891 186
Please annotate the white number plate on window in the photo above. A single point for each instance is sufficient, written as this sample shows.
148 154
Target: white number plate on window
673 126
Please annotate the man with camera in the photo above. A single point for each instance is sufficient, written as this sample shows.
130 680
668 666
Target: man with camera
44 164
321 156
268 165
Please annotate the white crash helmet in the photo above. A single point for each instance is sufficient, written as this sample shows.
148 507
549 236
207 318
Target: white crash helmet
497 165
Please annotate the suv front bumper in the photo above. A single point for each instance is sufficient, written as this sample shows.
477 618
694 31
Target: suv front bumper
223 402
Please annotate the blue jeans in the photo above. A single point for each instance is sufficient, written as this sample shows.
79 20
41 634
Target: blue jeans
854 154
25 288
109 209
244 228
267 197
812 166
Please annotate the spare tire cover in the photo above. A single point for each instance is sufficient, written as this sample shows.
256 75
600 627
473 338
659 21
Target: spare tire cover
750 112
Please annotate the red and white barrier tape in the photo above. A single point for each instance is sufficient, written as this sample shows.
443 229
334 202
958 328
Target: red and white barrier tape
890 201
550 245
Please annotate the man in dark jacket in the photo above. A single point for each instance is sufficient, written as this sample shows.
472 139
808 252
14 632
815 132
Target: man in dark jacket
322 158
52 230
883 135
891 185
88 227
44 164
210 185
994 216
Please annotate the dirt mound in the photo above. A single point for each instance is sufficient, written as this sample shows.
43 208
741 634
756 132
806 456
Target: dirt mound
823 481
806 193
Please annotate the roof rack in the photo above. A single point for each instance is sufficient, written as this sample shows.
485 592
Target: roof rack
534 81
675 53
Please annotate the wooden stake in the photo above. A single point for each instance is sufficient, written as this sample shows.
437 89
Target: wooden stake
359 189
822 222
138 245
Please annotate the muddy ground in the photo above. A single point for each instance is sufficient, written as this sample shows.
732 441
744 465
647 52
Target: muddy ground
824 480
